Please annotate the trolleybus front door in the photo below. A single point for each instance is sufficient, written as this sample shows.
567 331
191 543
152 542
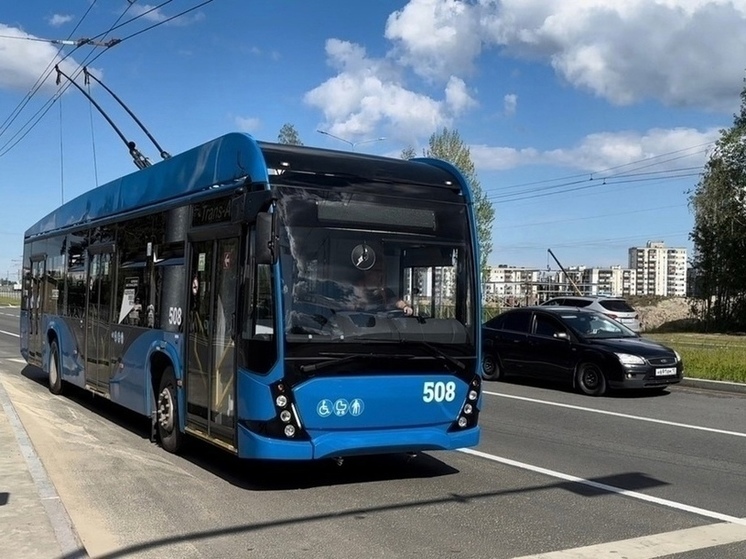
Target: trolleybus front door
36 307
98 321
210 386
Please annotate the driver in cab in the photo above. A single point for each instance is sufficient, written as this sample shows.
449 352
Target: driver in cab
371 294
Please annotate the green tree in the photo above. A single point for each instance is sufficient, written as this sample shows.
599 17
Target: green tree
289 135
719 233
408 153
449 146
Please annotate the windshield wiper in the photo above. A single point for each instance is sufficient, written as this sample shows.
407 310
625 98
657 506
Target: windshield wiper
435 352
347 357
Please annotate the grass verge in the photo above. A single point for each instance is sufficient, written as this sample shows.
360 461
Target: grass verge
708 356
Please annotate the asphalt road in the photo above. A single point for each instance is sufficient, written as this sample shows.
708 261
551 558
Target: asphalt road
628 475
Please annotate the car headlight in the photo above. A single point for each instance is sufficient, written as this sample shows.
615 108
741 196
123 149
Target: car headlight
676 353
629 359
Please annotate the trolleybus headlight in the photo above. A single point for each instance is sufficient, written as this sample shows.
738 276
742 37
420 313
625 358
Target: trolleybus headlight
289 431
473 395
286 416
281 401
468 409
462 422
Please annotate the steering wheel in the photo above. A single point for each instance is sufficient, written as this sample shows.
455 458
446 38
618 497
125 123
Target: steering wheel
395 313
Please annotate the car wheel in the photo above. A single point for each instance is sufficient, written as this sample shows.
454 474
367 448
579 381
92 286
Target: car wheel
55 377
168 413
491 369
590 379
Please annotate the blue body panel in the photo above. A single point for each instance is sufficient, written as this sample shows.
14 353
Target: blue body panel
130 384
221 161
348 415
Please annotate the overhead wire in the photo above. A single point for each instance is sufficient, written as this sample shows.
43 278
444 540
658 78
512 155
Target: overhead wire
34 120
530 190
44 75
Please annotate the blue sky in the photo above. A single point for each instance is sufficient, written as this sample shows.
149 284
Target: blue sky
588 122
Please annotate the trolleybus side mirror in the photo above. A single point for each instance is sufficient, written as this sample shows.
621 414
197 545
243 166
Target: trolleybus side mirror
266 238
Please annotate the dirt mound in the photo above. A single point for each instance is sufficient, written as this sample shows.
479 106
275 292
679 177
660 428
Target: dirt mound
671 310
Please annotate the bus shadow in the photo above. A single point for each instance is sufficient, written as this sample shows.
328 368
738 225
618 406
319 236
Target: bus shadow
261 475
274 475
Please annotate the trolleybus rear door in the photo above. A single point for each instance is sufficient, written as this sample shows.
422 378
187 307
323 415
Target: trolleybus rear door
36 307
98 318
210 386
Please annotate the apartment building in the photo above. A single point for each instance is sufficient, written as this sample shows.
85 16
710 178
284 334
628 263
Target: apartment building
612 281
660 270
652 270
511 286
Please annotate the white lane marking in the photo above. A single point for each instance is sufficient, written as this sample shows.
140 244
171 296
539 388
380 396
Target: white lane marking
617 414
609 488
656 545
10 334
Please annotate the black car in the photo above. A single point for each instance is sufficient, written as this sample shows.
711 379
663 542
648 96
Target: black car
585 347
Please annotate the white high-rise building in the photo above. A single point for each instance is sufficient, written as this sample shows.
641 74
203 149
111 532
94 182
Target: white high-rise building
510 285
660 270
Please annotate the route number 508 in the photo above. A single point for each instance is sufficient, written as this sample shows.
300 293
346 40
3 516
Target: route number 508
438 392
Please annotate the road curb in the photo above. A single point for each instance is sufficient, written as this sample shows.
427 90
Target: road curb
720 385
65 533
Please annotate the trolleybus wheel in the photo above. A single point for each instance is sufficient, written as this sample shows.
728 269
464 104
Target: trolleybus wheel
55 378
168 413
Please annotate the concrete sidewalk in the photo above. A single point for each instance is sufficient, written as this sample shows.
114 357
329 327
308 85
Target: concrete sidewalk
33 521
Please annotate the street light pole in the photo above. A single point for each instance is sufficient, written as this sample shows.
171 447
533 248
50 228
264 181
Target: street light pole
352 144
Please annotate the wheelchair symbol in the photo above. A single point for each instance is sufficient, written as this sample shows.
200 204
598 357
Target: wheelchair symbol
324 409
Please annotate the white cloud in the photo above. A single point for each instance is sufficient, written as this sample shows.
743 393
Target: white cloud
156 15
664 149
23 62
247 124
685 53
369 93
58 20
458 98
680 52
437 38
510 103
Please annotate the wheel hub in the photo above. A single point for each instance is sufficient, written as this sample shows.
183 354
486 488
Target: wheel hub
166 410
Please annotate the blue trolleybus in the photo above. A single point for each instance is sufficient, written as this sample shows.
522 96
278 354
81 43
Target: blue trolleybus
218 292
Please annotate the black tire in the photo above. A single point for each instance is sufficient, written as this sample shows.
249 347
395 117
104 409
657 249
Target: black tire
590 379
167 412
55 373
491 369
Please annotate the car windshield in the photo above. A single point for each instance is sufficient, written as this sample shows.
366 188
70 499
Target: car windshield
596 326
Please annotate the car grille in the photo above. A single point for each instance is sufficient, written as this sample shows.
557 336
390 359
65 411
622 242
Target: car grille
662 361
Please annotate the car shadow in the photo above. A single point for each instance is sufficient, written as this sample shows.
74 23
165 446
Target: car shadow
566 387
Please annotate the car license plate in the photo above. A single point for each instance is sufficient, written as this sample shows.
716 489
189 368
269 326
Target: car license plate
666 372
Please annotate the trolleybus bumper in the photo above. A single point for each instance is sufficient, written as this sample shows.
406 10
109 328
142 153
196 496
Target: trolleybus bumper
337 444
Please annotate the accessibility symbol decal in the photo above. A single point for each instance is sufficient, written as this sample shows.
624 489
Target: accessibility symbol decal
324 409
356 407
340 407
